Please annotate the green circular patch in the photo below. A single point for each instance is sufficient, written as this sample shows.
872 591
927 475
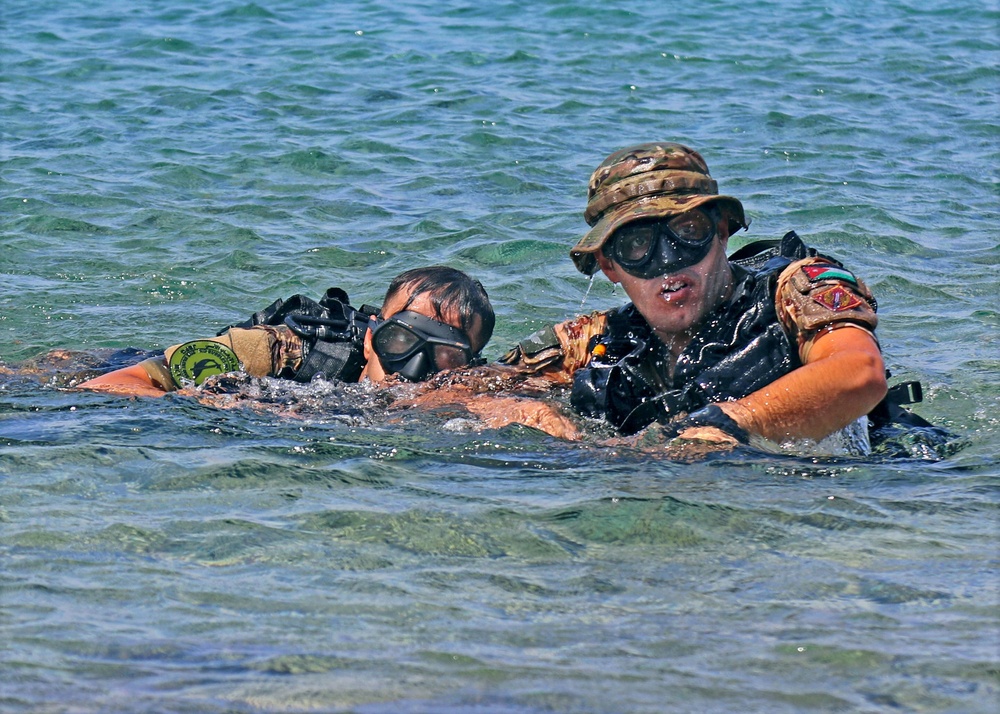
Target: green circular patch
195 361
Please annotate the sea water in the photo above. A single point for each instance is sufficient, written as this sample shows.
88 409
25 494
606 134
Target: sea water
168 168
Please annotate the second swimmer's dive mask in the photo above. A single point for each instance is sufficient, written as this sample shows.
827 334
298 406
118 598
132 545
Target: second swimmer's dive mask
654 247
415 346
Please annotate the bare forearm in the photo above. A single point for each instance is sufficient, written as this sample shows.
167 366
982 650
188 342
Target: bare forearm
844 380
134 380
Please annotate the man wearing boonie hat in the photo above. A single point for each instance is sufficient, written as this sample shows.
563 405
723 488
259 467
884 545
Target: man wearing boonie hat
775 340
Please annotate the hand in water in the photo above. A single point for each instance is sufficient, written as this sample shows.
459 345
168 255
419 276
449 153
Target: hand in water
501 411
707 434
496 411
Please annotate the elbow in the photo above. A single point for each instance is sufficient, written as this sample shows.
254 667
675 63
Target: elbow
868 380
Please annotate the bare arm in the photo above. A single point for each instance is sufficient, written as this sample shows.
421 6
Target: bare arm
498 395
261 350
843 379
129 380
498 411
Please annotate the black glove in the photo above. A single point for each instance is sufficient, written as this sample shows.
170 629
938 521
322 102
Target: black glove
711 416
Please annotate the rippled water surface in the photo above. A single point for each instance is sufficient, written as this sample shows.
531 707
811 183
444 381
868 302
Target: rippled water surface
166 170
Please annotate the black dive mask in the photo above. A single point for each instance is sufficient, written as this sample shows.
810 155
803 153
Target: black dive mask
659 246
415 346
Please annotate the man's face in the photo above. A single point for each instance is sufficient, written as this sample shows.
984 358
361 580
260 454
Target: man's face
421 304
676 304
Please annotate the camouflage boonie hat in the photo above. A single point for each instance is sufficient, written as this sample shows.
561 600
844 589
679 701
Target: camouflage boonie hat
646 181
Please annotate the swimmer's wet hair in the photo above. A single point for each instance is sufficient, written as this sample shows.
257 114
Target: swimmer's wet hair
450 291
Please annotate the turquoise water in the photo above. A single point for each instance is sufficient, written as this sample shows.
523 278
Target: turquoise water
166 171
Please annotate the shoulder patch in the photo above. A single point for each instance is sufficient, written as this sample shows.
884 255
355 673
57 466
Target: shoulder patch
195 361
837 298
815 273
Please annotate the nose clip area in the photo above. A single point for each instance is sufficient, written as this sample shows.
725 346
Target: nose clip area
671 256
668 253
416 368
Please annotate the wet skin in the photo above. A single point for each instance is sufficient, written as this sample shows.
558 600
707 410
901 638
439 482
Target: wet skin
675 305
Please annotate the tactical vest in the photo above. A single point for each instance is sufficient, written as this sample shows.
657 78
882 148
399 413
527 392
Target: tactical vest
741 348
331 330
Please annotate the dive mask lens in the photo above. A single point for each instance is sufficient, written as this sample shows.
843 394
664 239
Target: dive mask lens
447 357
394 340
692 228
416 346
651 248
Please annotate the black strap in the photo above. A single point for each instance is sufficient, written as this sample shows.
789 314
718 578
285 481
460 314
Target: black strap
332 332
890 409
755 255
341 360
277 311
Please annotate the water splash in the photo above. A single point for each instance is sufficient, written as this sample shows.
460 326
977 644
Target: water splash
590 286
322 401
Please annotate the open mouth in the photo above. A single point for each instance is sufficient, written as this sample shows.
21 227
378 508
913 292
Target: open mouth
672 286
675 289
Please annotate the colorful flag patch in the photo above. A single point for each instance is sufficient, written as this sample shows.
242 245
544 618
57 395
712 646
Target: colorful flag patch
815 273
837 298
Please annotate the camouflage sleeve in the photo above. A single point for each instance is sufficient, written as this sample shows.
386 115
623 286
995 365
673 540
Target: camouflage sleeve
263 351
815 295
558 350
